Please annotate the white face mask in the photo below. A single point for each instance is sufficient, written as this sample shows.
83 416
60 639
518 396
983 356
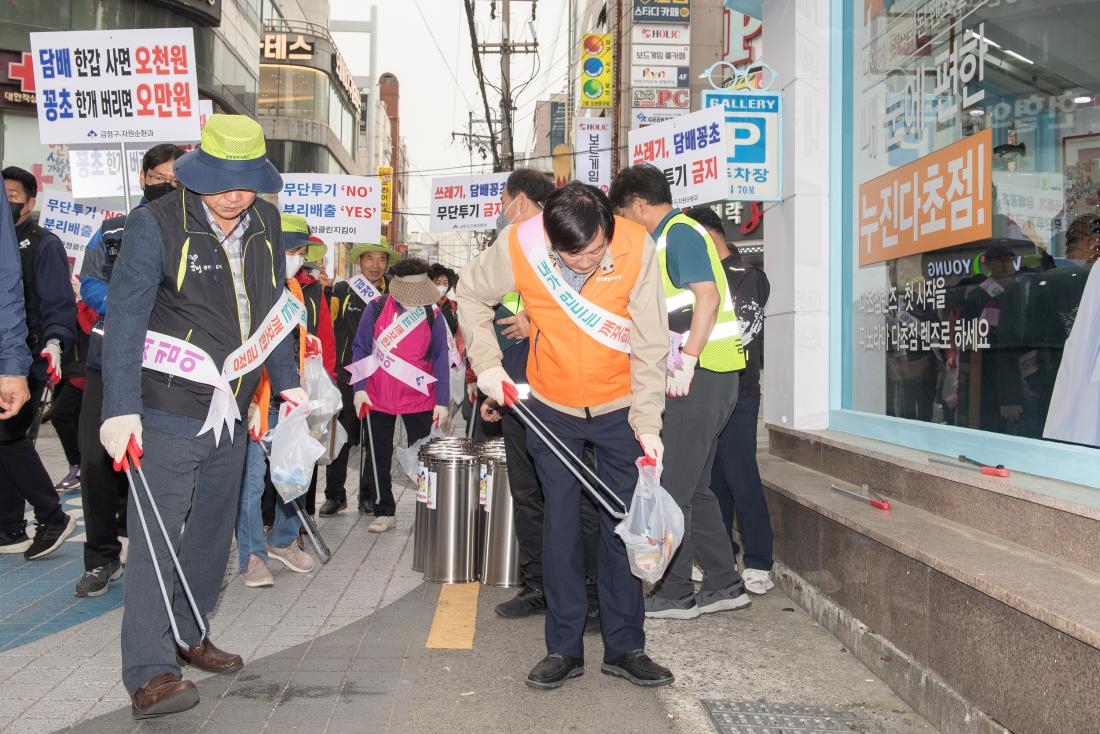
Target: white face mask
293 264
442 290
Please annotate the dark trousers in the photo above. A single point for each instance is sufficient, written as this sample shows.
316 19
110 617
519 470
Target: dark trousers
65 417
23 478
527 511
620 592
417 426
336 473
103 490
735 481
269 498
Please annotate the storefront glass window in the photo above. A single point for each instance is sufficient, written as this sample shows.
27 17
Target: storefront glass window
976 215
294 91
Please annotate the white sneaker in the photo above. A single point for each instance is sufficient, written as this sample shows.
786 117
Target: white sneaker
382 524
757 582
293 557
257 574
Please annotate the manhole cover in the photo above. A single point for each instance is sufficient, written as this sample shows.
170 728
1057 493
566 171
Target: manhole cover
756 717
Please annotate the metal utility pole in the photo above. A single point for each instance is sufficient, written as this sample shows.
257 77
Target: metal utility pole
616 103
507 154
571 84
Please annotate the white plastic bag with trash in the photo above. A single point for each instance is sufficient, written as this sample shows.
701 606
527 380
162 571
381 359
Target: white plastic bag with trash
654 526
293 452
408 458
325 403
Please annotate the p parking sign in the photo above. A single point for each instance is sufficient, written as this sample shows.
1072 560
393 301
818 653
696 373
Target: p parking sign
754 142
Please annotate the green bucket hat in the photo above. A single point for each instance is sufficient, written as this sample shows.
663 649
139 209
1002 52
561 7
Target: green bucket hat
316 251
355 252
232 155
295 230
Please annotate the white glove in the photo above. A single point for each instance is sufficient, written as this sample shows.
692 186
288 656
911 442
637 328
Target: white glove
678 383
652 446
295 396
115 435
254 421
52 354
439 417
492 381
362 404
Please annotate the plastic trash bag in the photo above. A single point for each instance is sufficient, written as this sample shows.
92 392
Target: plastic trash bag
654 526
409 458
333 439
293 453
324 397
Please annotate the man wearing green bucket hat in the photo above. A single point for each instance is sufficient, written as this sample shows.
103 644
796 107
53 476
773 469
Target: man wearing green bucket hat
198 306
349 298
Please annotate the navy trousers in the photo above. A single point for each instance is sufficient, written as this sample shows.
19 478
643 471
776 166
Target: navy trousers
563 569
735 481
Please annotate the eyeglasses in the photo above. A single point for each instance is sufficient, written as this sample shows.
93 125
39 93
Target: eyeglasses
157 178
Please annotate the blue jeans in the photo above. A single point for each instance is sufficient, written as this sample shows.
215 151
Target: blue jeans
250 523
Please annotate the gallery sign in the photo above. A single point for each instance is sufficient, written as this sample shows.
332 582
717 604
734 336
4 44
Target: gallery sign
754 140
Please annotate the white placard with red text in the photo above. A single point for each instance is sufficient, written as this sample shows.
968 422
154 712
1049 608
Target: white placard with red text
73 222
338 208
690 149
466 203
592 154
117 86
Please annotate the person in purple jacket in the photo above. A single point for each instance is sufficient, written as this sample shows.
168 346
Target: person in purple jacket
401 350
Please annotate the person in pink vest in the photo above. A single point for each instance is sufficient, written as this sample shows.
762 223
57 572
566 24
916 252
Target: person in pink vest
401 350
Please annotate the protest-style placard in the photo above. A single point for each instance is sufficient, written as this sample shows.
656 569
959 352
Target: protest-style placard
690 149
592 157
74 222
116 86
338 208
466 203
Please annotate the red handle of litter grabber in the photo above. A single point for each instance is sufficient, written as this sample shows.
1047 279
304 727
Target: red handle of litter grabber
511 394
881 504
994 471
131 457
648 460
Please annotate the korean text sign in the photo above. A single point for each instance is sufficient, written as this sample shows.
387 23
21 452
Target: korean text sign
942 199
662 11
466 203
690 149
754 142
597 79
385 176
592 158
338 208
116 86
72 221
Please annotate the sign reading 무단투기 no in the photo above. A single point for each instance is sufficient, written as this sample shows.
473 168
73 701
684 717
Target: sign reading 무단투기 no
338 208
72 221
754 142
690 149
466 203
117 86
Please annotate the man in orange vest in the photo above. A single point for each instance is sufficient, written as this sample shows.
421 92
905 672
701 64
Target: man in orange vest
599 339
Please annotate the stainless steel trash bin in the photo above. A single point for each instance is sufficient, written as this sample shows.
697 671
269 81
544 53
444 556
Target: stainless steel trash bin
451 526
421 531
500 553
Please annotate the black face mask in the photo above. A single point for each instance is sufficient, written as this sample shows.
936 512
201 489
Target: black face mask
16 210
155 191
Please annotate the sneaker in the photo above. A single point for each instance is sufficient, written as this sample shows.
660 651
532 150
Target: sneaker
293 557
757 581
658 607
49 537
331 507
125 549
14 542
382 524
639 669
553 670
528 601
96 581
723 601
257 574
71 482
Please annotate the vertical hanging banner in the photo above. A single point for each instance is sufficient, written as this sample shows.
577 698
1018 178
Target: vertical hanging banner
466 203
385 176
596 71
73 222
592 159
117 86
754 142
338 208
690 149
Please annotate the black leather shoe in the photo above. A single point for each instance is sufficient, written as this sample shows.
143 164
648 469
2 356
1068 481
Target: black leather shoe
553 670
637 668
528 601
331 507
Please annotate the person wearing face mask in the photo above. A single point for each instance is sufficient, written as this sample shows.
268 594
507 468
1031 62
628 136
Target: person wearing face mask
50 311
201 275
103 490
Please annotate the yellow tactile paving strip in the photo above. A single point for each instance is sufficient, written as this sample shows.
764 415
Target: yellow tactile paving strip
455 618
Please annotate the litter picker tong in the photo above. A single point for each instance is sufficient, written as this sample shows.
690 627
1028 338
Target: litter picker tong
870 496
965 462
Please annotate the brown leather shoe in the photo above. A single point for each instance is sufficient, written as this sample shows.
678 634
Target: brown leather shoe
164 694
205 656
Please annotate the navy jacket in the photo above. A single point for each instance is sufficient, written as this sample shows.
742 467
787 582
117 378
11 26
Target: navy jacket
54 313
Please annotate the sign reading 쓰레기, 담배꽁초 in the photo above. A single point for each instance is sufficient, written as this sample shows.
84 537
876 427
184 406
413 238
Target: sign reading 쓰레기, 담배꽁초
691 151
338 208
466 203
117 86
754 142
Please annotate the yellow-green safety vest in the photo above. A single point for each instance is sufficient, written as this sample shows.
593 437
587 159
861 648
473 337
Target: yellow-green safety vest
723 351
512 301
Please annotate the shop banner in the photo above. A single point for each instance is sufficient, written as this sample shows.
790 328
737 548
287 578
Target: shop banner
592 160
662 11
665 77
754 142
644 33
640 118
661 99
741 220
338 208
597 78
940 200
689 149
466 203
72 221
385 175
664 55
116 86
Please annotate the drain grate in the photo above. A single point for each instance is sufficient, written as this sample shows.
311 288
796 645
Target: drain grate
757 717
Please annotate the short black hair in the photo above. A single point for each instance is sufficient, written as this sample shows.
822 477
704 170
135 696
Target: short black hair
410 266
574 214
159 154
707 217
438 270
24 177
642 181
535 184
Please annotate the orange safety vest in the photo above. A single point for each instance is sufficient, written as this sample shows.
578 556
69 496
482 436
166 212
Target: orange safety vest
565 365
262 398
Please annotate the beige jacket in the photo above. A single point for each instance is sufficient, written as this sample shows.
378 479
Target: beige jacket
485 280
